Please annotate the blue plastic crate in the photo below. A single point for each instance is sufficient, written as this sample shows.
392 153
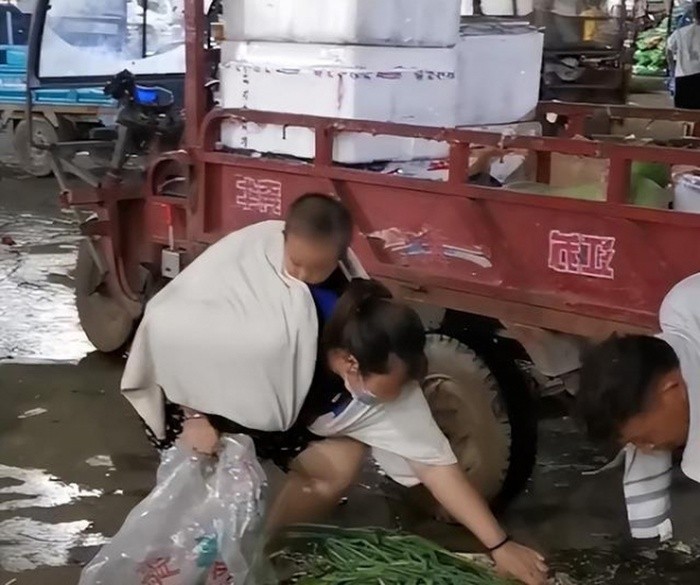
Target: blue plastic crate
13 59
13 72
12 93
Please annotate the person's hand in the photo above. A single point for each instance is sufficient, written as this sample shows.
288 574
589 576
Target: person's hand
200 436
522 563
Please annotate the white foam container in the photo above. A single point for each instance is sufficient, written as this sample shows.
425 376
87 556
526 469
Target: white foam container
423 23
401 85
686 192
498 73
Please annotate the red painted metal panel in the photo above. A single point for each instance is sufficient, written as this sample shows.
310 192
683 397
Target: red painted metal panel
543 258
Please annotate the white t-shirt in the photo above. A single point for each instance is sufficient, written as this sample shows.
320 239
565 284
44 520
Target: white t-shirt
647 476
398 432
684 45
680 328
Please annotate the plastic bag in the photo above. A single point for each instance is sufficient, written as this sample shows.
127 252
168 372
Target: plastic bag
202 524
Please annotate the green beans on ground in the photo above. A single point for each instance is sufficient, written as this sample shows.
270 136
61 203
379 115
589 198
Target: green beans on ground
381 557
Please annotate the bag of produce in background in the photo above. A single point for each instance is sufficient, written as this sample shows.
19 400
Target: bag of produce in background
650 51
202 524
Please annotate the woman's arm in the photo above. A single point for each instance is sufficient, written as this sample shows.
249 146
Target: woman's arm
451 488
198 433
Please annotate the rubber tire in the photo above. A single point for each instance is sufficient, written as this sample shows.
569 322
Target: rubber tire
465 400
517 399
106 323
37 164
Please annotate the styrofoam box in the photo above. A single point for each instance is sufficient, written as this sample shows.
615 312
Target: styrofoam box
422 23
365 83
498 73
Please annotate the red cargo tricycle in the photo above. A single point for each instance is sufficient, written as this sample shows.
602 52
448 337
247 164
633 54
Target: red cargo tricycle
511 284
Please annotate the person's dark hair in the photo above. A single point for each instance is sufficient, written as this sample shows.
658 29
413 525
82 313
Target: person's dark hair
320 217
370 325
617 379
696 11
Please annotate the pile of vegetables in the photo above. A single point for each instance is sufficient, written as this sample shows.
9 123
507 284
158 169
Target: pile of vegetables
320 555
650 53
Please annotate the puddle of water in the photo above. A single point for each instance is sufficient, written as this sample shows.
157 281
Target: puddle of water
28 544
35 488
38 319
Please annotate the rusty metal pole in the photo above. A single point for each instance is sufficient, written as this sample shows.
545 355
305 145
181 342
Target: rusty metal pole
196 71
619 180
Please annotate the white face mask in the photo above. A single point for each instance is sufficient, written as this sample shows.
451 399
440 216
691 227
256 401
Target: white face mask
361 394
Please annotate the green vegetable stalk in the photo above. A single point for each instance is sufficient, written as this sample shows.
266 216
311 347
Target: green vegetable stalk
375 557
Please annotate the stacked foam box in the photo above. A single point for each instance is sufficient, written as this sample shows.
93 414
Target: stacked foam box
402 61
380 60
398 23
498 72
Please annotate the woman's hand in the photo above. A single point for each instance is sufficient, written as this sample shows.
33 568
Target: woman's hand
451 488
199 435
522 563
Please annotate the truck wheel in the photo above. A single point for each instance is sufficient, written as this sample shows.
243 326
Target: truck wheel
106 323
483 404
33 160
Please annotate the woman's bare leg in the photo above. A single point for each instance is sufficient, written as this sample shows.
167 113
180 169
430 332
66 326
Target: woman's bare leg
317 480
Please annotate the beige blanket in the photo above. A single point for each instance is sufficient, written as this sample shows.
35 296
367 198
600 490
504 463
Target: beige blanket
232 335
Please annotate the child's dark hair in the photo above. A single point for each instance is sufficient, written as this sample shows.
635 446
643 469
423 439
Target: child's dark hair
371 326
617 380
320 217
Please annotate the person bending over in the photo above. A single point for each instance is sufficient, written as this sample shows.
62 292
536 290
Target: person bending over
643 392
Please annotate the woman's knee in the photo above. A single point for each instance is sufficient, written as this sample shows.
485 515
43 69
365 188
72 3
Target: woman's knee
332 466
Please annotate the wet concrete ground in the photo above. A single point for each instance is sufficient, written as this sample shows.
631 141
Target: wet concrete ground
73 459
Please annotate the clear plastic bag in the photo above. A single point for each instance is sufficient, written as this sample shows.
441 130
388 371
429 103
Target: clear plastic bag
202 524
